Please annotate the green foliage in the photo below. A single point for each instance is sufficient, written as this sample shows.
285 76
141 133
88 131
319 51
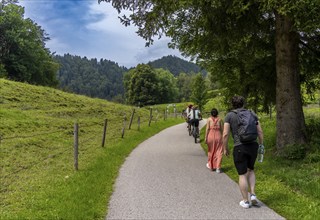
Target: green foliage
3 72
294 151
23 56
147 86
142 86
216 102
105 79
313 132
176 65
236 42
199 91
167 86
184 84
99 79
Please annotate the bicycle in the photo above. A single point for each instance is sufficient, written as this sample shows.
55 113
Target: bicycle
189 129
195 133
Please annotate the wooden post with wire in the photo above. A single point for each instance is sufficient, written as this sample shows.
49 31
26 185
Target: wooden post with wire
131 118
150 116
76 145
104 132
124 126
175 111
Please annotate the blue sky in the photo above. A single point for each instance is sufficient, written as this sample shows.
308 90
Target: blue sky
86 28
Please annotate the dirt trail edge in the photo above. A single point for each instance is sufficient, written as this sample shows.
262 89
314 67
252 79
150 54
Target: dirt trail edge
166 177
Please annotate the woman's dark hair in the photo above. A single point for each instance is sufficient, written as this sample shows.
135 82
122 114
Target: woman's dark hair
237 102
214 112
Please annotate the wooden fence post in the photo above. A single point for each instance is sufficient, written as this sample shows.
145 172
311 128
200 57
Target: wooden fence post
157 115
131 118
138 123
104 132
150 116
124 126
76 145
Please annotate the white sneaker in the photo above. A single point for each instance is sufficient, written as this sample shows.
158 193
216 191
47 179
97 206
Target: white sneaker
218 170
253 199
244 204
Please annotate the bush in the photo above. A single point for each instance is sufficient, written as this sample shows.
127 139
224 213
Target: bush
313 157
294 151
313 131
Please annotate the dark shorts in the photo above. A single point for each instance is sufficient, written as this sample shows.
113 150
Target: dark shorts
195 122
244 157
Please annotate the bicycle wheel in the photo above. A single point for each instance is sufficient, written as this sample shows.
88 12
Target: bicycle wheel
194 134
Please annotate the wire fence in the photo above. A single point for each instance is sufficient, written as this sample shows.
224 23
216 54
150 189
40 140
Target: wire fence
81 135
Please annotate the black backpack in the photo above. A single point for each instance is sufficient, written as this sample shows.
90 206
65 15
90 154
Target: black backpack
247 125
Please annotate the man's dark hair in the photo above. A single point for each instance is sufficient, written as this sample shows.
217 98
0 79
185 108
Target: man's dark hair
237 101
214 112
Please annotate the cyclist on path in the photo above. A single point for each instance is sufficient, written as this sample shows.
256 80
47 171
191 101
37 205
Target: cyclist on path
187 111
195 116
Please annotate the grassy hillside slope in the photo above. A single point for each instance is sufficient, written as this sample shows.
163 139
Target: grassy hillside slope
38 179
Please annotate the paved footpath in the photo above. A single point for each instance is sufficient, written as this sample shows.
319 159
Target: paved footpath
166 177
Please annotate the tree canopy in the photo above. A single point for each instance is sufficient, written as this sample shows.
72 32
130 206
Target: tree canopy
261 48
199 91
95 78
23 56
175 65
145 85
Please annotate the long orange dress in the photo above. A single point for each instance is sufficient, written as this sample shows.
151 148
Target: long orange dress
214 142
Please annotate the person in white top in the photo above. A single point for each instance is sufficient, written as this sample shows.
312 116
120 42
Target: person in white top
187 112
195 116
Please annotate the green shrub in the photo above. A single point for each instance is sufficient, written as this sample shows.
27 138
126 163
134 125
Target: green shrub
294 151
313 157
313 130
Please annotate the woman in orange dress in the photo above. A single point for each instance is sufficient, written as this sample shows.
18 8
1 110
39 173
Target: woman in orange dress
213 139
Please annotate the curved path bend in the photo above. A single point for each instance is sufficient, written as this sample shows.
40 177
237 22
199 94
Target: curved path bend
166 177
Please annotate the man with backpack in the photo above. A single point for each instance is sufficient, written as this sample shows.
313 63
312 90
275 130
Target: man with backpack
245 129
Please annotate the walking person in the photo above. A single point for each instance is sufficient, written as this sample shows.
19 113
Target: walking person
244 153
213 139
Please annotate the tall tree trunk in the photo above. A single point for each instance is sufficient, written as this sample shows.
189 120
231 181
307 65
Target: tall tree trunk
290 118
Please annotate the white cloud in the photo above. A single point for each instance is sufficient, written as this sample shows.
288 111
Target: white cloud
93 30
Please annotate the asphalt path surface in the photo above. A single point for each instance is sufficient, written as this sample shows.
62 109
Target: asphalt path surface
166 177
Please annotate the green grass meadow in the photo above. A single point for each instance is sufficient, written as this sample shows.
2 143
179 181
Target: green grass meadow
39 180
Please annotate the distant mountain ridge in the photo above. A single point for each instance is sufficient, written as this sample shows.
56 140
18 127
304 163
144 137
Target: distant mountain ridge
176 65
104 78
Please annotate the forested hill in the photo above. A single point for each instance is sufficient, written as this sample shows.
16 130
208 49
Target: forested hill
176 65
93 78
104 78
